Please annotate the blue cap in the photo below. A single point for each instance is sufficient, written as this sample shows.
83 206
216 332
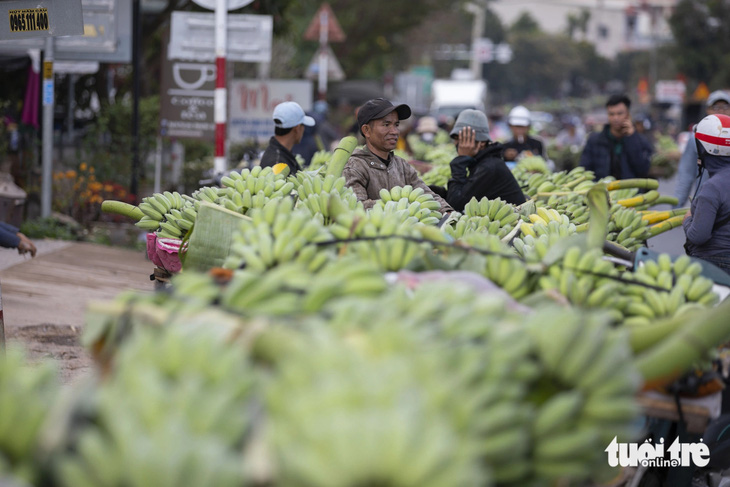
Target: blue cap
289 114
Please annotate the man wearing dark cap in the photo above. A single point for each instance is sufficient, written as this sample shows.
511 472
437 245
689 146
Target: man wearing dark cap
479 170
375 167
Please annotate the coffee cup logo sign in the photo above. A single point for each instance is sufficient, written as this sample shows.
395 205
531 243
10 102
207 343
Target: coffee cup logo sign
188 104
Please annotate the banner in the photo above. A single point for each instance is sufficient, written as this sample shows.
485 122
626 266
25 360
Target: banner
252 103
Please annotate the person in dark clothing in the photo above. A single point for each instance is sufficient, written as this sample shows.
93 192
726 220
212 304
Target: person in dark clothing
707 224
289 123
11 238
521 144
618 150
479 170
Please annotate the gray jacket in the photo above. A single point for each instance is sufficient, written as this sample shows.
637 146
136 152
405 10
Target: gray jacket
687 172
708 228
366 174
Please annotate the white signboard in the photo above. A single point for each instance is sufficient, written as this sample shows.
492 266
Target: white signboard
671 91
252 105
192 37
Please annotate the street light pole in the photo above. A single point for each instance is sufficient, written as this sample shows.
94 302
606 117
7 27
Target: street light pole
477 32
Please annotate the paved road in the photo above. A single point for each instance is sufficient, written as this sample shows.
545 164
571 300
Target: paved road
44 299
671 242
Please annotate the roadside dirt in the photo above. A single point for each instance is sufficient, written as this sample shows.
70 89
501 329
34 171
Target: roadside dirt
44 299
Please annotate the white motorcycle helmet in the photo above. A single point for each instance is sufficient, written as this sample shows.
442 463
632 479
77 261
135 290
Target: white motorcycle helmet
519 116
713 135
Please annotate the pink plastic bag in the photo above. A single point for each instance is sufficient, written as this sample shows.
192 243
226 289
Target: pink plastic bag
164 252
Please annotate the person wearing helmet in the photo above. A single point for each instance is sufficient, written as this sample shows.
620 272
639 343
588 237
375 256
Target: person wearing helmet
707 224
479 170
521 144
374 167
618 150
688 170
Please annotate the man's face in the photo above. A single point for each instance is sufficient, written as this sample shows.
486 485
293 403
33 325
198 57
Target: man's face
300 132
519 132
721 107
382 134
617 116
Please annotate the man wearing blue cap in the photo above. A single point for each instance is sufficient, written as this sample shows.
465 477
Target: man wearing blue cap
289 122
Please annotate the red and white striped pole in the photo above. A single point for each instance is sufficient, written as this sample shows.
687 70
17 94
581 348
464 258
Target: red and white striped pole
221 39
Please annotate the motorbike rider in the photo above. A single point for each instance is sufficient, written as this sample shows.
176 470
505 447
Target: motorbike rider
707 224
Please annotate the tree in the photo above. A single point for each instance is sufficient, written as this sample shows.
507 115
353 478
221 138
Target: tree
702 40
525 24
376 33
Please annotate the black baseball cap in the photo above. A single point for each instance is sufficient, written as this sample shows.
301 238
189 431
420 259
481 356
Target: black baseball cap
378 108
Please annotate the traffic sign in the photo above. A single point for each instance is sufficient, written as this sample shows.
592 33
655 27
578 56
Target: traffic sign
192 37
334 31
230 4
334 70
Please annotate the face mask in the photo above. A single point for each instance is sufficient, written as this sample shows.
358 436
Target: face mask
427 137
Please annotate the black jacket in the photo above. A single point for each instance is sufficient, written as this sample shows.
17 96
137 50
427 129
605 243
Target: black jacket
529 144
276 153
629 157
488 176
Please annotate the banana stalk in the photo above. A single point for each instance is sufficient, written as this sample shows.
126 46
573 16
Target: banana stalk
665 226
597 199
341 155
672 356
644 337
639 200
121 208
666 200
652 217
641 183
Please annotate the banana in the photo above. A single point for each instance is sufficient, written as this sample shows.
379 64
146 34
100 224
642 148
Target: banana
413 195
567 446
700 286
556 412
503 446
611 409
385 195
588 345
150 211
171 229
147 223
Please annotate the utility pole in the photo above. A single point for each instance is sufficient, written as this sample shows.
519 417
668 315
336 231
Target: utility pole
477 32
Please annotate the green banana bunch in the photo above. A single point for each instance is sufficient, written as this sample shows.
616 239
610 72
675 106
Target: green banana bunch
419 204
26 393
592 363
502 266
319 159
585 279
162 212
534 180
390 254
278 233
627 228
439 175
682 284
248 189
327 196
495 217
170 413
337 422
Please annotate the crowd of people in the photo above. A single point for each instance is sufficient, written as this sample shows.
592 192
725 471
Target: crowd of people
482 167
